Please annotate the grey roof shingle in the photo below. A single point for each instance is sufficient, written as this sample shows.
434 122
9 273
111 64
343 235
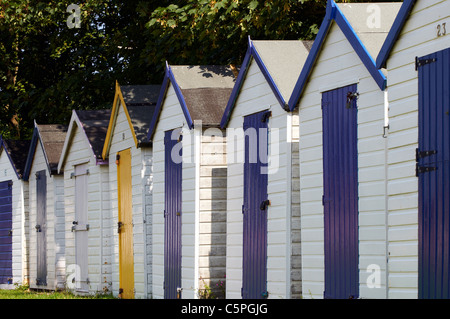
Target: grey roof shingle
52 138
206 90
95 125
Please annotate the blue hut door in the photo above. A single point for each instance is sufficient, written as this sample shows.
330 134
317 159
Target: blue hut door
340 198
41 227
433 171
254 270
6 232
172 214
80 226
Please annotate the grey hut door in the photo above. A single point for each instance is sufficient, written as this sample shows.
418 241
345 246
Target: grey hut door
172 214
340 198
41 227
254 270
6 232
433 171
80 226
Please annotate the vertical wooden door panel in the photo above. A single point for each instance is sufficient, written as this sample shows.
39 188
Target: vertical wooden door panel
5 232
433 171
172 214
41 227
125 225
340 199
254 270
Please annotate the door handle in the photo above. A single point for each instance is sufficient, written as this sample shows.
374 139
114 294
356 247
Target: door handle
119 227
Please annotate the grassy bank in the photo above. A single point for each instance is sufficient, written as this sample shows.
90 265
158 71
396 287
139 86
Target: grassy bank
23 292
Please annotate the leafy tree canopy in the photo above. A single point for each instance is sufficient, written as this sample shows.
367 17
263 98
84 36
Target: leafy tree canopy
47 69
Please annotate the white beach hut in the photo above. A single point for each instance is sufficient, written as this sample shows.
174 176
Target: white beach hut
416 55
129 155
46 205
87 210
13 213
263 206
189 199
340 96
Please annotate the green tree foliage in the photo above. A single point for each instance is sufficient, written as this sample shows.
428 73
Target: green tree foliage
47 69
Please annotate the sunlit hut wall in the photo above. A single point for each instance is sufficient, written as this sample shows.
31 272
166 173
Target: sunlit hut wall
418 244
189 197
13 213
46 204
87 205
130 155
340 96
263 239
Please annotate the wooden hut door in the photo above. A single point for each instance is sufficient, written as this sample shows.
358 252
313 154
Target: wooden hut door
125 225
6 232
172 214
41 227
340 198
254 270
80 225
433 171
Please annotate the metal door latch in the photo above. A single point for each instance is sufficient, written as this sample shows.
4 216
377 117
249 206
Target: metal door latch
38 228
119 227
264 204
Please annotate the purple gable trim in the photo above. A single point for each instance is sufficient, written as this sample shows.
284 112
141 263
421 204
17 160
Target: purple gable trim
396 28
168 77
251 53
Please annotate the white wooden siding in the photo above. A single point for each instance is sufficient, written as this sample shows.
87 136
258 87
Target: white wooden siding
418 38
99 234
55 224
255 96
171 117
19 219
337 66
141 177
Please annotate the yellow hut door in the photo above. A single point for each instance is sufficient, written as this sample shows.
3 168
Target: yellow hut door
125 225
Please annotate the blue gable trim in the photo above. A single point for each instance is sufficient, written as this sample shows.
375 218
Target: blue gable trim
333 13
168 77
251 53
31 151
396 28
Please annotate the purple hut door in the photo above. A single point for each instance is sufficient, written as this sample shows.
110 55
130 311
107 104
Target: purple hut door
6 232
254 270
172 214
340 199
41 227
433 171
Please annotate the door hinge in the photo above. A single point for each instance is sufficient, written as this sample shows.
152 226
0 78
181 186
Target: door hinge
422 62
243 209
117 159
424 169
422 154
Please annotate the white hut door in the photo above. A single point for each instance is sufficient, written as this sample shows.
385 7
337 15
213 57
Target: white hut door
80 226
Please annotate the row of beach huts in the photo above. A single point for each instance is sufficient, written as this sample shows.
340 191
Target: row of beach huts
315 169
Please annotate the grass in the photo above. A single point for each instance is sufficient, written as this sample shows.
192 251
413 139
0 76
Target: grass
23 292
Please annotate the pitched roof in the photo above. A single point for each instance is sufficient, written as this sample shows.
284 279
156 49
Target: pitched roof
202 90
280 62
365 38
93 124
139 102
396 28
51 137
17 151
